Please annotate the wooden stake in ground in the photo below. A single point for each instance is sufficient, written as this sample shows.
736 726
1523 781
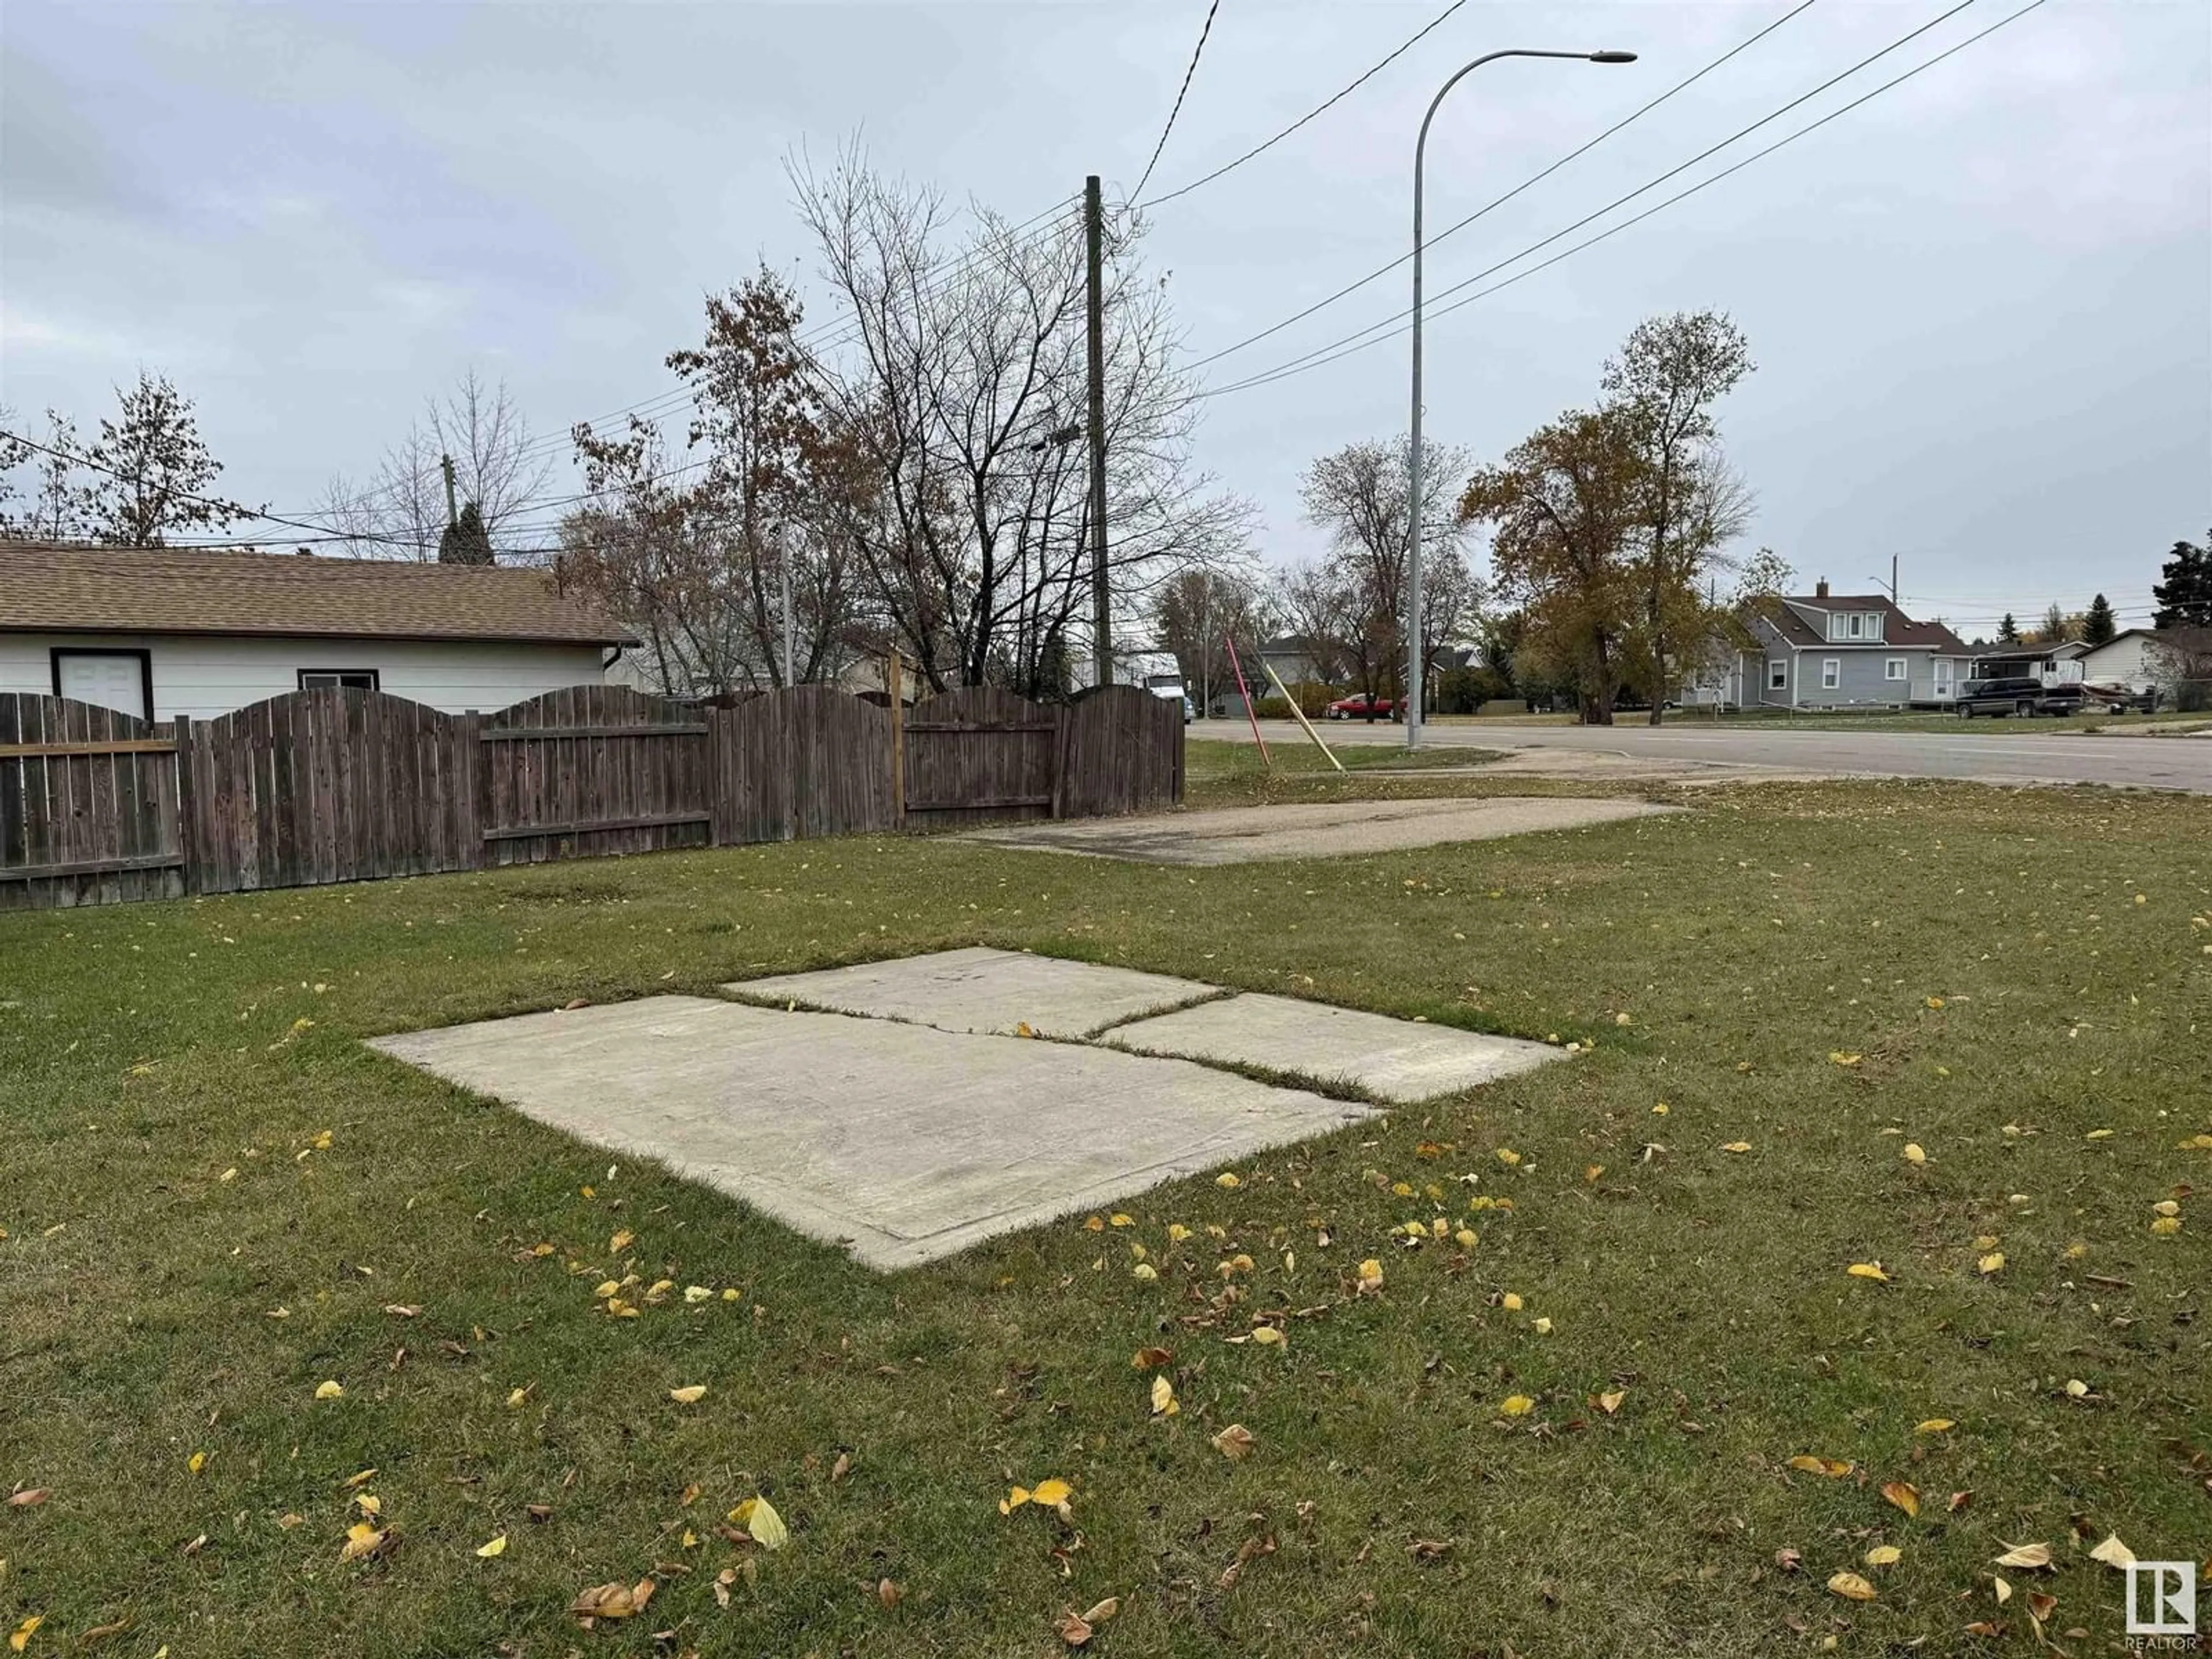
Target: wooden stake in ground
1245 692
1299 714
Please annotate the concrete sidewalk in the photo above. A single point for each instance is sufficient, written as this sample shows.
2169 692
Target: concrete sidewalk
1243 834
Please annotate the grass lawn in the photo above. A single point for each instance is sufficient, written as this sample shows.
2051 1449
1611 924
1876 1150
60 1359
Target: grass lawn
217 1200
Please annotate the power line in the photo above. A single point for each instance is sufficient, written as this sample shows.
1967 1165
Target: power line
1352 343
1196 53
1403 47
1536 179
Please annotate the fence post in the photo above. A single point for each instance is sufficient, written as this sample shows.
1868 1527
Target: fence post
894 677
474 784
186 804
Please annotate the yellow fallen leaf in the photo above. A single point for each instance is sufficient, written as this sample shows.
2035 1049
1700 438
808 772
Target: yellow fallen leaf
1867 1270
2078 1388
1119 1220
1177 1232
1015 1498
2166 1226
1164 1399
1838 1057
1932 1425
606 1288
2026 1556
2097 1134
1144 1273
1227 1180
1884 1555
1834 1467
517 1397
496 1547
1466 1238
361 1538
231 1174
1510 1301
1913 1152
1542 1326
1902 1493
2114 1553
1268 1336
1370 1274
694 1294
1935 1002
1735 1147
370 1504
620 1242
1660 1110
1993 1262
1508 1157
359 1478
1609 1402
1235 1442
329 1390
1850 1586
1591 1172
691 1395
758 1517
1051 1494
21 1638
1516 1405
197 1461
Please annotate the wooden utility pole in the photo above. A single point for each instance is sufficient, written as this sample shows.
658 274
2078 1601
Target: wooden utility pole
1094 237
453 517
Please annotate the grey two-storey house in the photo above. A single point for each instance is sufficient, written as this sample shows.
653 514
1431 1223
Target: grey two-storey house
1845 651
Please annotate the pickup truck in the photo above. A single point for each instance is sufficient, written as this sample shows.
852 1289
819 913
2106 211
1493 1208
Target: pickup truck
1361 707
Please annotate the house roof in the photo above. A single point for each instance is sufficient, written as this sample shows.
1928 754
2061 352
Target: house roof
56 587
1899 630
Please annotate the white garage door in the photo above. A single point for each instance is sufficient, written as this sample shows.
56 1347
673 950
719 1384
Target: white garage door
110 679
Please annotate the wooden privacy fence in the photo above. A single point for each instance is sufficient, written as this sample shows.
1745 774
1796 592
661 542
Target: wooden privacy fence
337 785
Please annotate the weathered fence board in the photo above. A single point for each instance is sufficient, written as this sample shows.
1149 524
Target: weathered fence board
979 755
811 760
1120 751
87 805
594 769
326 786
344 785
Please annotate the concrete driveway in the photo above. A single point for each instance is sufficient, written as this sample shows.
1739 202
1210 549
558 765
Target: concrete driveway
1975 751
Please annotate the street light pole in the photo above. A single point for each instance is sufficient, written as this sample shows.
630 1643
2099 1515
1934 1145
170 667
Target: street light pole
1415 669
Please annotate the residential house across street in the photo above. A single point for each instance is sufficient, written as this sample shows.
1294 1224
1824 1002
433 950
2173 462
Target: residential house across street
1825 650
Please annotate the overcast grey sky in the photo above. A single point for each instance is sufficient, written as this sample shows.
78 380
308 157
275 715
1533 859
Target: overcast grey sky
1981 304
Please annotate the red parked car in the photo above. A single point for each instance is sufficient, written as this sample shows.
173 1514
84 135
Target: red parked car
1361 707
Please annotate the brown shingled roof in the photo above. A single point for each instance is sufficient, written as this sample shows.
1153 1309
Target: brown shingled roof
1900 630
56 587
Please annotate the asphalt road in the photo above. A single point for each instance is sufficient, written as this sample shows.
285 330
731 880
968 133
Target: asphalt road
2176 762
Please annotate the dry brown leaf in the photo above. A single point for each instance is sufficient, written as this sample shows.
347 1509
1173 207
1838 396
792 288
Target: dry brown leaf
889 1594
29 1498
612 1600
1884 1555
1074 1629
1959 1501
1609 1402
1099 1613
1852 1587
1148 1359
1235 1442
2114 1553
842 1468
2041 1605
1902 1493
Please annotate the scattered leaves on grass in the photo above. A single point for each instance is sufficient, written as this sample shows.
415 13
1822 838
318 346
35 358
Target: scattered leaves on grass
1850 1586
1904 1495
1076 1629
1236 1442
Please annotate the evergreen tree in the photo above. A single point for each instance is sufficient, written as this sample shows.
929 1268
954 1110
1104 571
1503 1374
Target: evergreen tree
2008 631
2184 598
466 541
2056 628
2099 626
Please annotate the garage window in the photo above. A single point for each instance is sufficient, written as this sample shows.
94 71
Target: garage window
1894 668
350 679
122 680
1832 672
1778 674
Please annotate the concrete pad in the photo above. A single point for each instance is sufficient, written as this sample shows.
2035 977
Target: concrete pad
1245 835
1395 1060
984 991
909 1144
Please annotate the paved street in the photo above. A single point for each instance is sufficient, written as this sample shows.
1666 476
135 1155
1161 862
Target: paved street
1975 752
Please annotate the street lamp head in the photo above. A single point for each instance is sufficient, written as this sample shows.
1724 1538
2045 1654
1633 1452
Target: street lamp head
1613 58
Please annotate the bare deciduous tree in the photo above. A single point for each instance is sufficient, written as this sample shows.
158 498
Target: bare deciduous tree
962 386
401 511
